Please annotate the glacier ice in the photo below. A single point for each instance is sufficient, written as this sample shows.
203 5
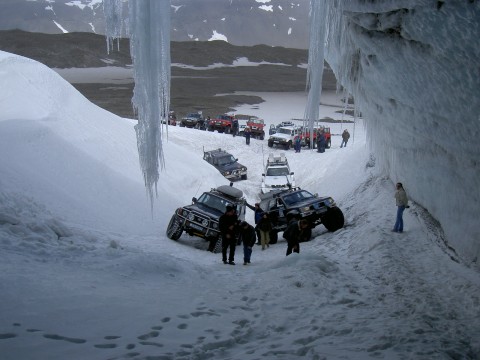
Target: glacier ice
315 63
412 68
149 29
150 50
114 22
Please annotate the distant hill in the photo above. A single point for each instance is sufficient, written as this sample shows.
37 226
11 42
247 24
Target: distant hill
241 22
191 89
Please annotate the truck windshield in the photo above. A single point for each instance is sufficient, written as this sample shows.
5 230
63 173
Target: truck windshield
298 196
277 171
226 160
214 202
285 131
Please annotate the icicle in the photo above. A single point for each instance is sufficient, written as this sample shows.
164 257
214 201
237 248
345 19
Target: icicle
150 49
318 10
113 12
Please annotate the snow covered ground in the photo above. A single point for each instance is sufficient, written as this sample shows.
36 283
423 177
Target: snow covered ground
86 271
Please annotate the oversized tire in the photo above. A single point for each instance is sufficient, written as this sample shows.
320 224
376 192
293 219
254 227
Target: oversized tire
244 177
288 145
174 228
270 144
262 135
333 219
273 236
227 130
329 143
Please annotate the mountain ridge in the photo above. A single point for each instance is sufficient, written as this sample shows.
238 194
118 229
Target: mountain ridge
281 69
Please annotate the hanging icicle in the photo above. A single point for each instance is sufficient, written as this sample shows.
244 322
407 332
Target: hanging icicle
113 12
150 49
318 9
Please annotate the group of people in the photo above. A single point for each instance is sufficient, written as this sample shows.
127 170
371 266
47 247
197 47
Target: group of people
232 229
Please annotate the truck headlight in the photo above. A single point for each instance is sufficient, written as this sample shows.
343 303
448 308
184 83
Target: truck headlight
191 217
205 222
226 173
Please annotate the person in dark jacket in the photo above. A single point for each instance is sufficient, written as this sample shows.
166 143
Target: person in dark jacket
247 132
234 127
321 142
228 228
265 226
295 233
345 137
258 215
247 237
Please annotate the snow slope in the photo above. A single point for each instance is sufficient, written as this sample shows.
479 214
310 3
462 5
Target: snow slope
86 271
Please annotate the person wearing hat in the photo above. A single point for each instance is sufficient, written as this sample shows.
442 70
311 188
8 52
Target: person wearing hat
247 236
228 227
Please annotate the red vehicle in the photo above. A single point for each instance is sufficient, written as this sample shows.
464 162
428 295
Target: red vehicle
305 137
222 123
256 126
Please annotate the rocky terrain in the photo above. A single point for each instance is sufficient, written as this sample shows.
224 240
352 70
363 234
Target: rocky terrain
191 89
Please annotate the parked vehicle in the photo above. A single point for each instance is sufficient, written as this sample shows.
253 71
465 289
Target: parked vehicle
202 216
284 137
278 204
172 119
274 128
226 163
193 120
305 137
277 175
221 123
242 124
256 127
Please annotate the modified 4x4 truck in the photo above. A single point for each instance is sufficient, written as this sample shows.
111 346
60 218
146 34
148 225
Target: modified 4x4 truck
193 120
277 175
284 137
305 137
222 123
256 126
226 163
316 210
201 217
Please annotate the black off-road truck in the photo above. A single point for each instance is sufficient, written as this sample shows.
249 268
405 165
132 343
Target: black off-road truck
226 163
281 204
201 217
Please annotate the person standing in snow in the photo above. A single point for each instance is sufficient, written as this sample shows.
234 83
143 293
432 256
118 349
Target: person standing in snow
228 226
234 127
247 134
298 144
321 142
402 203
295 233
345 137
265 226
247 237
258 215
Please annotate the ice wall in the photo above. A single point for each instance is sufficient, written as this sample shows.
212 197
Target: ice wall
413 69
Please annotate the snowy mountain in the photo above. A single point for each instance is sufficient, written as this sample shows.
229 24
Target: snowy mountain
240 22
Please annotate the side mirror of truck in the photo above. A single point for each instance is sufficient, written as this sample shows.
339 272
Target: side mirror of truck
194 199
